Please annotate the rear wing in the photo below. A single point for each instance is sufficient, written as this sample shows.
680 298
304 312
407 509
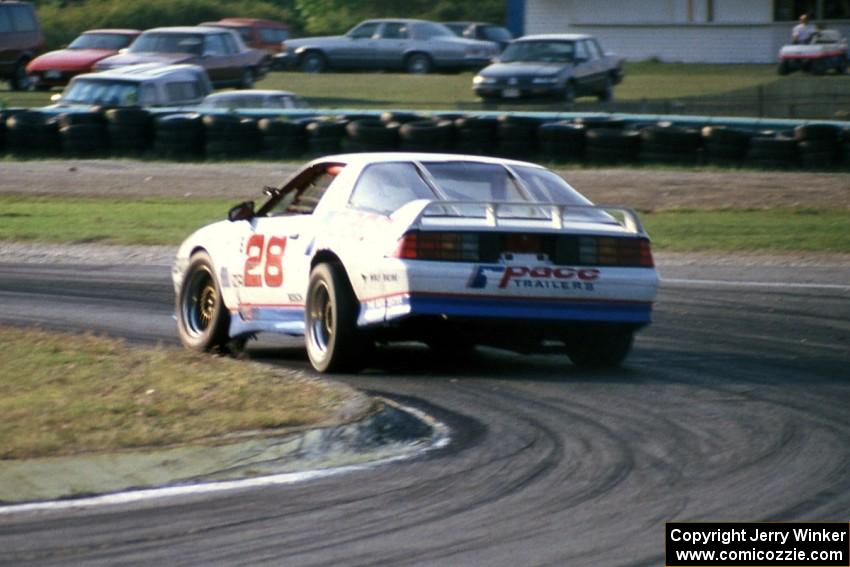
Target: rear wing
549 215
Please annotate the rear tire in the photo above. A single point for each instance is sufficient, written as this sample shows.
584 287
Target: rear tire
202 318
419 64
599 347
313 62
334 343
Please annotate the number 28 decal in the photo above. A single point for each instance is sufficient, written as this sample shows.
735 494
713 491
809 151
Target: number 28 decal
270 271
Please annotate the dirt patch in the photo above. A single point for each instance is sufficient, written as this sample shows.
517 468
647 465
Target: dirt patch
644 189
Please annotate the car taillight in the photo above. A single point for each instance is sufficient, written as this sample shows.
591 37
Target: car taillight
604 251
447 246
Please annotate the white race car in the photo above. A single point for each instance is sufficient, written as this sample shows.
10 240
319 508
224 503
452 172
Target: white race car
450 250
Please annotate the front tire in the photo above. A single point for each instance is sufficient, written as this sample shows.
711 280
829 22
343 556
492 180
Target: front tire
569 95
202 317
334 344
20 80
247 80
313 62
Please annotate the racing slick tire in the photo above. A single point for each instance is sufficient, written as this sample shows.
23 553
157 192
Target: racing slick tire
599 347
334 343
202 318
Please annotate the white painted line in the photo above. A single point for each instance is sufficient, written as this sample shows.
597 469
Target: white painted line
441 439
782 285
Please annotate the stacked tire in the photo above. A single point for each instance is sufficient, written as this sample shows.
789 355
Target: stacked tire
435 135
845 147
372 135
665 143
517 136
819 145
772 150
723 145
612 145
230 135
325 135
179 135
562 141
129 130
30 131
83 133
476 135
282 138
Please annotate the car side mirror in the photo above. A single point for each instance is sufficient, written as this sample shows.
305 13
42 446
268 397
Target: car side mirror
242 211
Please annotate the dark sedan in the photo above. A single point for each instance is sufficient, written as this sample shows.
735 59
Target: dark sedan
565 66
221 52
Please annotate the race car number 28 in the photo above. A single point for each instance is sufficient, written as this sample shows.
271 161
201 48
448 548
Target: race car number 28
265 261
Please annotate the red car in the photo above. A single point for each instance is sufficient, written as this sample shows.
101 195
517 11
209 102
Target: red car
57 68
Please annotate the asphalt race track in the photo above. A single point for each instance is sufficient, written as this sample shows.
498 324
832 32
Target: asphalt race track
733 407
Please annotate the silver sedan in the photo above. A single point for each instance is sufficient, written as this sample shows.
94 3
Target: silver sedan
416 46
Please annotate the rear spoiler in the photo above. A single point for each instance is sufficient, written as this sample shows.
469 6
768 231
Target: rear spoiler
551 215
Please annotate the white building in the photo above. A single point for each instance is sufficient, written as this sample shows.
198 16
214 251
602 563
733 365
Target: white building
693 31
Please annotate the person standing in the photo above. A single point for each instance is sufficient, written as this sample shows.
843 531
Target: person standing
803 31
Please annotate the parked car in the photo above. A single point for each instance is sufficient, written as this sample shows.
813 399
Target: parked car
483 31
416 46
56 68
21 39
266 35
565 66
450 250
264 99
148 85
827 50
221 52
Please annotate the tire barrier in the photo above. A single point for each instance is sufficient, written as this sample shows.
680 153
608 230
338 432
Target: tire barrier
230 135
372 135
30 131
595 140
325 135
129 130
665 143
427 136
282 138
179 135
562 141
725 146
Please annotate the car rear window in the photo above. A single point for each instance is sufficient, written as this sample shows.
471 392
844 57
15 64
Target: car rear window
168 43
384 187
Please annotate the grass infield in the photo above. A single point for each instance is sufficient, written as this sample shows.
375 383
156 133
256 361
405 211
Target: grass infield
168 221
65 394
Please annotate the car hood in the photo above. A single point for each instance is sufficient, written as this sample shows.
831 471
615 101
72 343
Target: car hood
524 69
137 58
63 59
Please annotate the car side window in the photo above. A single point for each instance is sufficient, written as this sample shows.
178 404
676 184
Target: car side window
303 201
395 30
581 51
385 187
22 19
214 45
273 35
364 31
148 96
593 49
5 20
230 44
180 92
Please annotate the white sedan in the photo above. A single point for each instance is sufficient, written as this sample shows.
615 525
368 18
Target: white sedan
450 250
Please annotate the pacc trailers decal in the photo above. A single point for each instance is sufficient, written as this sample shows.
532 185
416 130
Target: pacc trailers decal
541 277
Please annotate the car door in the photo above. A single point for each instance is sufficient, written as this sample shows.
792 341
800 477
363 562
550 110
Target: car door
357 48
583 71
597 64
216 59
391 44
275 248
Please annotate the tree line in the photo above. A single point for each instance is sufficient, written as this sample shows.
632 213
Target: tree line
63 20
